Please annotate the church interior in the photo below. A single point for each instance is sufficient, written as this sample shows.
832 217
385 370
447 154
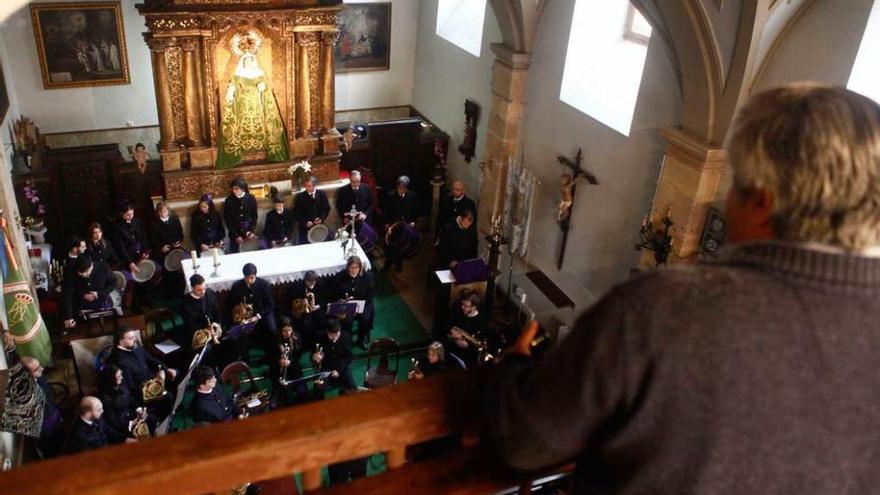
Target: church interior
240 235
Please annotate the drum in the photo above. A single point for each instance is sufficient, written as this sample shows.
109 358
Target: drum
173 259
321 233
116 298
150 273
407 240
366 236
122 279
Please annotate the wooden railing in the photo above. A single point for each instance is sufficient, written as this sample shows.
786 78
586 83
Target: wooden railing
300 439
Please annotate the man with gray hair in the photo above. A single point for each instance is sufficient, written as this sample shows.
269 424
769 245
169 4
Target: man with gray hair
752 374
356 194
310 207
401 206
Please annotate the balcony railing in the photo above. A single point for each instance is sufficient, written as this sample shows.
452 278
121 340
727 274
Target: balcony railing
300 439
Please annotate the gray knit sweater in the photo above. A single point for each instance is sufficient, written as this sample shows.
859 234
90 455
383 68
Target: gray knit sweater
755 374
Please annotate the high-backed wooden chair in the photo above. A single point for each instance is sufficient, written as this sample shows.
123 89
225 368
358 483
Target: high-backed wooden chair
382 375
232 374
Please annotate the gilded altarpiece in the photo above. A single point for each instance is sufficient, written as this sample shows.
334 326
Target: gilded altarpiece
198 46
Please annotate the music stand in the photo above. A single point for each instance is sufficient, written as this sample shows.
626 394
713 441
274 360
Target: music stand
241 330
344 310
469 271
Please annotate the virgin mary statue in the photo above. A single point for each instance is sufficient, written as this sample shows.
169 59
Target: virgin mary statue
251 120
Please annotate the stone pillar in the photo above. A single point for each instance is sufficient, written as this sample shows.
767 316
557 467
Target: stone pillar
158 46
328 85
509 75
693 178
192 104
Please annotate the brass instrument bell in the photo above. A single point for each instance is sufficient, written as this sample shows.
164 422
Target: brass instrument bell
242 312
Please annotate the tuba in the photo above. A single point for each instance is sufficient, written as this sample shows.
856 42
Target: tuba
154 389
202 336
242 312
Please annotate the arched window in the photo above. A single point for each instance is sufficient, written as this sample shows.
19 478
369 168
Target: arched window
865 75
461 23
604 61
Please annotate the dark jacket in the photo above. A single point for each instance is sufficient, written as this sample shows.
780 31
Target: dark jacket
86 436
196 314
457 244
129 241
102 251
137 366
360 287
213 407
322 290
165 234
362 199
399 208
206 229
450 209
306 208
119 408
337 355
259 294
101 280
747 375
279 225
240 215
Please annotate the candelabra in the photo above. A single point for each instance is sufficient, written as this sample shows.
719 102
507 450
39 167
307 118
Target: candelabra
658 240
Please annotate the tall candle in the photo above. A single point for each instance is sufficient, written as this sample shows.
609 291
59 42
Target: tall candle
214 252
192 255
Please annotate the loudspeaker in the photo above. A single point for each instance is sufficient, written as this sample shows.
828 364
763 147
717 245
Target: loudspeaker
714 231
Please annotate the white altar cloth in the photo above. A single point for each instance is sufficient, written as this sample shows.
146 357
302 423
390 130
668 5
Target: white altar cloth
277 266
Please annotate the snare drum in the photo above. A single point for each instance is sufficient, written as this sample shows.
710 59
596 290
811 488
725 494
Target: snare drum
366 236
407 240
321 233
173 259
149 273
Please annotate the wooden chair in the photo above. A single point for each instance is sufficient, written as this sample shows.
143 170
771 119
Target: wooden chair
382 375
232 374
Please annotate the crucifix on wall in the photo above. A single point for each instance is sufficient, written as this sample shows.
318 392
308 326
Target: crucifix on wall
568 185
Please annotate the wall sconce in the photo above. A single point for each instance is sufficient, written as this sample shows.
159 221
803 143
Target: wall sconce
658 240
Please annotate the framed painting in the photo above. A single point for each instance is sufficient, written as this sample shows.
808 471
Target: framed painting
364 41
80 44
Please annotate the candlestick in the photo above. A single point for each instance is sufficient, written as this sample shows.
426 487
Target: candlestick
215 254
192 254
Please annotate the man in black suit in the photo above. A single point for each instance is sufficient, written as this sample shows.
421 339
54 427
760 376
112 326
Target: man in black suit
137 364
354 283
90 431
166 232
309 322
87 288
452 204
458 241
240 214
199 308
258 293
310 207
278 229
75 248
210 404
335 356
402 206
129 240
355 194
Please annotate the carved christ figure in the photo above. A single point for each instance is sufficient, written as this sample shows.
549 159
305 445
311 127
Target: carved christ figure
564 207
251 119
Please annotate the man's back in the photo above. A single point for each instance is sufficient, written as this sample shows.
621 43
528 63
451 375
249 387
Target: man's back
748 376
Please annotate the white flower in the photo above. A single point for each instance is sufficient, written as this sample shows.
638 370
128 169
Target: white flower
301 167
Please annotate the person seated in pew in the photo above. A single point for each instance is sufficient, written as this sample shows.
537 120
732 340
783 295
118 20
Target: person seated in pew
334 355
452 204
200 311
128 238
458 241
309 298
401 206
98 248
278 229
166 233
89 429
138 366
257 297
87 290
354 284
120 408
434 363
467 323
211 404
355 194
310 207
284 365
240 214
206 226
75 248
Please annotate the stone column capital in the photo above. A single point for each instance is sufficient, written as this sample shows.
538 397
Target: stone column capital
162 44
189 44
307 38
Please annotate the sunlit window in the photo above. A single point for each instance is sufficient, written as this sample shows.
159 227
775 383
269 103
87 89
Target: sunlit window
461 23
865 75
604 62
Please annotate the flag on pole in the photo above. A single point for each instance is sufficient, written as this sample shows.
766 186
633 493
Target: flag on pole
22 311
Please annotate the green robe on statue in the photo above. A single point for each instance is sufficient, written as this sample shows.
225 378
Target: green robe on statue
251 122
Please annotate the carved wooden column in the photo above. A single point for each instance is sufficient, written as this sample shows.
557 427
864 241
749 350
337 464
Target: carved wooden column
192 106
158 47
303 92
328 73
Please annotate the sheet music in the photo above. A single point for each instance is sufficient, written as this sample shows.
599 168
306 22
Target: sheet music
167 346
445 276
360 304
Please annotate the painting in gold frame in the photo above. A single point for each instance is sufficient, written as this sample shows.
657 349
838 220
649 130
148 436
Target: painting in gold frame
364 40
80 44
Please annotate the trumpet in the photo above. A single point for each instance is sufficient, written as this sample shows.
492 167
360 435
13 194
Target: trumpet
242 312
481 345
285 355
319 351
201 337
414 368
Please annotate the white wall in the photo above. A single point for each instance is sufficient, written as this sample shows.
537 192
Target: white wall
445 76
356 90
79 109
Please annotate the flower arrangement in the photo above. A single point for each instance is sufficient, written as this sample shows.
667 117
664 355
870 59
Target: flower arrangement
300 171
31 194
